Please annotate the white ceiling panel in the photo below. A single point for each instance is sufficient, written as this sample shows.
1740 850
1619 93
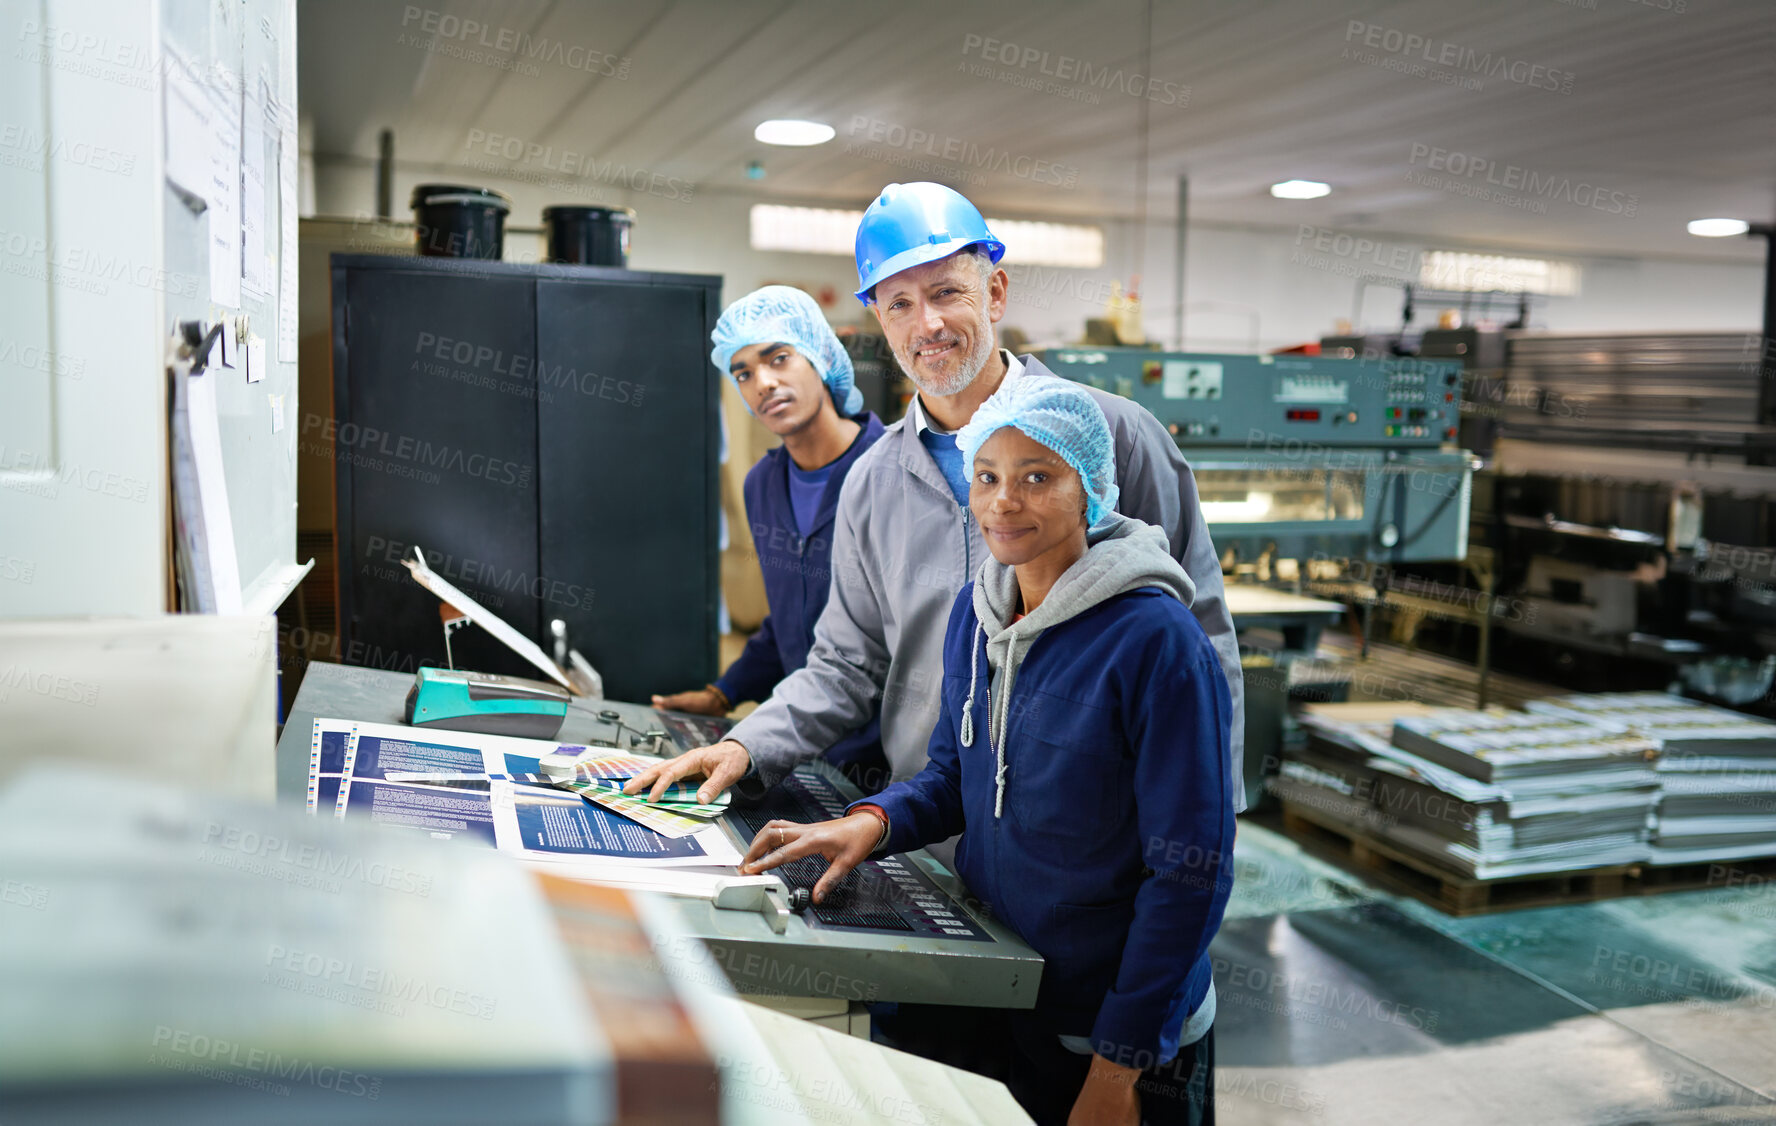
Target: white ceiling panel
1432 117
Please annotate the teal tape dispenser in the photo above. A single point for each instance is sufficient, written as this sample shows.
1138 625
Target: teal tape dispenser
486 702
489 703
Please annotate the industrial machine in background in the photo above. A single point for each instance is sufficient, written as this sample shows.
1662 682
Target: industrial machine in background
1300 457
1636 509
1622 523
1479 350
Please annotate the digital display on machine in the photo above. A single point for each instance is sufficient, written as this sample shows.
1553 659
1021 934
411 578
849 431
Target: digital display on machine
1311 388
1299 415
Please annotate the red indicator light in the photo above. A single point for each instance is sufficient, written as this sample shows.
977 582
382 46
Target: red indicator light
1302 416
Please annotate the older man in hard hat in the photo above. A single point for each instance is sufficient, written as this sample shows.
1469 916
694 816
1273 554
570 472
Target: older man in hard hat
904 542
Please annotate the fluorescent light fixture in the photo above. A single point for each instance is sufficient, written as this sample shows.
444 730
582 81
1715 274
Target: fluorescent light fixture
808 230
819 230
1050 244
1300 189
790 132
1488 273
1718 228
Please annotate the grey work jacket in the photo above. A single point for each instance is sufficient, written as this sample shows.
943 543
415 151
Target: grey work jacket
903 549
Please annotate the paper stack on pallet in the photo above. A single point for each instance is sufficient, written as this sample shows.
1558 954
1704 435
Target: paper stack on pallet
1716 770
1486 794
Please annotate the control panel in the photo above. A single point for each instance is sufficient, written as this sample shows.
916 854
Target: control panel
887 895
1210 399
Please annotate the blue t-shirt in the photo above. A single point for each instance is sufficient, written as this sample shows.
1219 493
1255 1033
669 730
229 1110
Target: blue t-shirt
806 486
948 456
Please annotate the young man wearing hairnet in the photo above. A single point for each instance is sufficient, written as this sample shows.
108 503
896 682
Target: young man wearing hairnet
796 379
904 541
1095 806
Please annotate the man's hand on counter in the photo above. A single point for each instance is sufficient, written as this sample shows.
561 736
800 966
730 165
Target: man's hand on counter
701 701
722 764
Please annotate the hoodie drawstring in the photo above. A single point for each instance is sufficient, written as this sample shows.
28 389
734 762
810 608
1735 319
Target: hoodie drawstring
973 677
995 730
1004 702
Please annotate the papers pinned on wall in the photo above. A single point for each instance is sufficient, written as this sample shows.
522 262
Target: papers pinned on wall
259 152
203 161
190 130
224 196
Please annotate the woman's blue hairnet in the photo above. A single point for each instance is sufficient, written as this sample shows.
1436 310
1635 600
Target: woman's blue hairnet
1063 417
783 314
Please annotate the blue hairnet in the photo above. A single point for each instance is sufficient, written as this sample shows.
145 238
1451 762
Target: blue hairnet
1063 417
783 314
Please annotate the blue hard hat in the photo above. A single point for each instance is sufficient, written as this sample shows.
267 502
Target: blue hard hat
911 224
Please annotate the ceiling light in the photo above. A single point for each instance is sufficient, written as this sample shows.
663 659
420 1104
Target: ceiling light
1718 228
1300 189
788 132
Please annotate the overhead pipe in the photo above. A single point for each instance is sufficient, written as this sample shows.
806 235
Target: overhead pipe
385 175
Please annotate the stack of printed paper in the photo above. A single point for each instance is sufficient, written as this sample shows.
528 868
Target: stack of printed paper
1716 770
1571 796
1518 746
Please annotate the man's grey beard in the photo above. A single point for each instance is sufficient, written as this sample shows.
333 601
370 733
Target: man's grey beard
971 364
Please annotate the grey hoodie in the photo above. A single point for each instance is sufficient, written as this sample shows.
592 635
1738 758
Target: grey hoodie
1121 555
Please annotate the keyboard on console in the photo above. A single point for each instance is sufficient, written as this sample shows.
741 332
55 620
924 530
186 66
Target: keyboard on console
887 894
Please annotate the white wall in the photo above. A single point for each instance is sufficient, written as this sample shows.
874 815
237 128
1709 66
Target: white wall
1247 288
1298 284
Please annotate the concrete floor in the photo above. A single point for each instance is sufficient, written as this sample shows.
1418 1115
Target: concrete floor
1341 1003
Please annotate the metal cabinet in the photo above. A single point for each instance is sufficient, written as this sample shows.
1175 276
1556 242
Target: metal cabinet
548 436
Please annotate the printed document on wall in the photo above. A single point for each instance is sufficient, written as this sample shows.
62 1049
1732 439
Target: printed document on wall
257 275
224 195
287 236
190 130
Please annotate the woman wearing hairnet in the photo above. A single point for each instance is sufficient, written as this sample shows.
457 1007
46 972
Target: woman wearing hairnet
1082 753
796 379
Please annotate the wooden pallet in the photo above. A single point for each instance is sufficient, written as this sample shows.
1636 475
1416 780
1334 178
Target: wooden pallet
1450 892
1703 875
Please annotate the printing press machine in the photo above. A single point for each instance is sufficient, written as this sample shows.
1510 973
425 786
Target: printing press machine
1636 507
1624 512
1300 457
